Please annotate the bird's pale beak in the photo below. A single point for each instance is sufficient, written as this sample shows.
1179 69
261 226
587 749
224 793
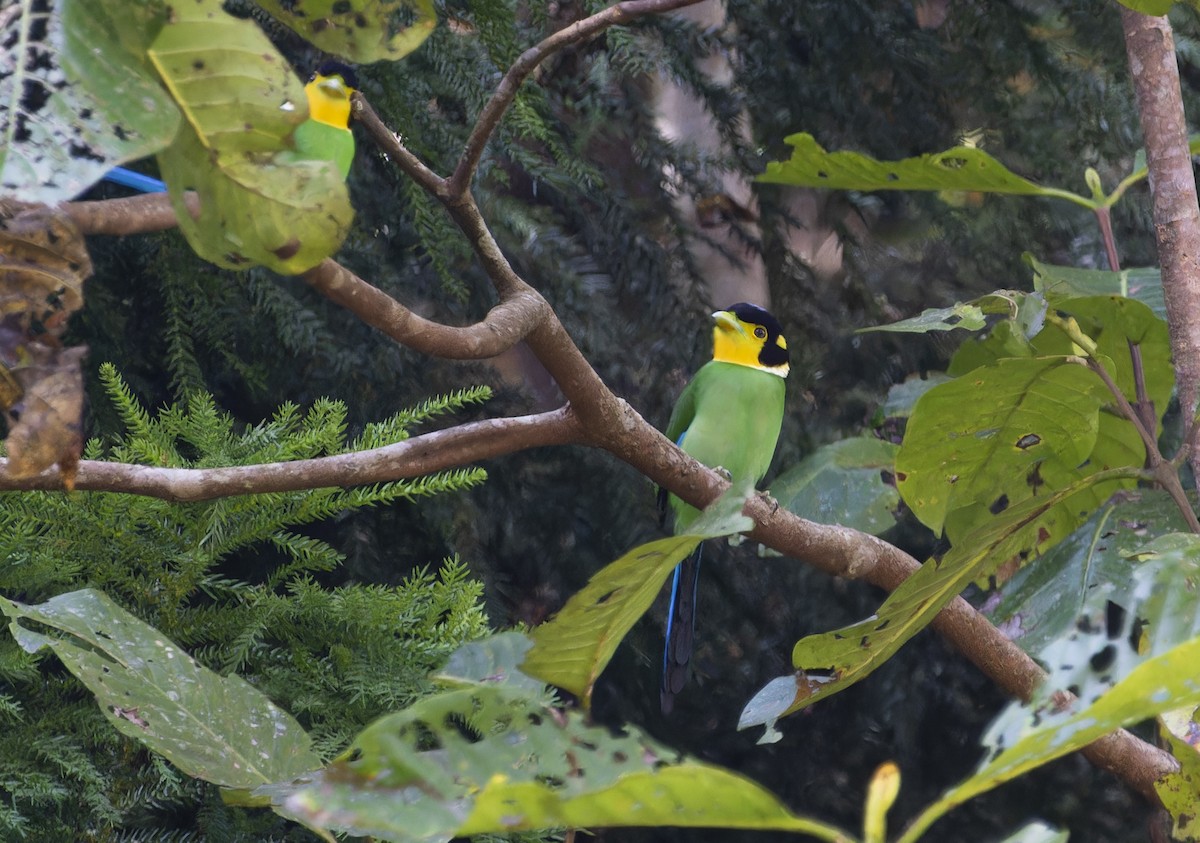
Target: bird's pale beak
334 86
727 322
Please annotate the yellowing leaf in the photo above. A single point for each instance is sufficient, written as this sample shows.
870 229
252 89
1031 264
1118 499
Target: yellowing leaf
287 217
362 31
1180 791
572 648
832 661
230 82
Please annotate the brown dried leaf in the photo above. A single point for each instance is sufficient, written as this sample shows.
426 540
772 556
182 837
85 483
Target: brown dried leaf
46 426
43 263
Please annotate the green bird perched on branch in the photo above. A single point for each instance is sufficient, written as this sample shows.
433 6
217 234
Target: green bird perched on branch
324 136
728 417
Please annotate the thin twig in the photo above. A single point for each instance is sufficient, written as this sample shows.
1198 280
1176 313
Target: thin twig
506 91
1144 406
391 146
1104 220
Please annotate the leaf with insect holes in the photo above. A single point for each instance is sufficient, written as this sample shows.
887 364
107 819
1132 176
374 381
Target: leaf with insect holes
362 31
962 168
497 758
829 662
217 728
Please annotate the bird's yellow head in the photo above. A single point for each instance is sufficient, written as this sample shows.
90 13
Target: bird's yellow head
747 335
328 91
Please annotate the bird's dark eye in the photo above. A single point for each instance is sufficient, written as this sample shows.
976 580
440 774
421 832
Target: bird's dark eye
760 332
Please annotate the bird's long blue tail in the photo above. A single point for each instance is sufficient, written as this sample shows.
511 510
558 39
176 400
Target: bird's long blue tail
135 181
681 629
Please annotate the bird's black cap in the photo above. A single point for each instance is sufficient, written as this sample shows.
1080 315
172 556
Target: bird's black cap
337 68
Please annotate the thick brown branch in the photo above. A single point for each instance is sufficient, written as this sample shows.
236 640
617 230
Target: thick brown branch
505 325
119 217
416 457
489 118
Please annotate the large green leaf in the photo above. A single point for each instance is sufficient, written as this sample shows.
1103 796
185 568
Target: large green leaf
362 31
1167 681
101 106
216 728
960 168
243 102
977 440
1062 282
841 483
832 661
573 648
228 80
1067 592
287 217
1114 322
494 759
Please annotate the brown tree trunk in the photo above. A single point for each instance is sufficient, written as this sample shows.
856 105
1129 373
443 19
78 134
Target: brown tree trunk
1150 45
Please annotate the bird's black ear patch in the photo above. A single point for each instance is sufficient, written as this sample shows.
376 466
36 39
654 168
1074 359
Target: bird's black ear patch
337 68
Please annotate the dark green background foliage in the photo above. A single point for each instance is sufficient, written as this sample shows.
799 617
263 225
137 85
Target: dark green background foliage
571 187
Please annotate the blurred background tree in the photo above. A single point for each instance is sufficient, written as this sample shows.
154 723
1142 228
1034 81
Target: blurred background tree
583 193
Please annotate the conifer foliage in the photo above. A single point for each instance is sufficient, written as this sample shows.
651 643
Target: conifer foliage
237 582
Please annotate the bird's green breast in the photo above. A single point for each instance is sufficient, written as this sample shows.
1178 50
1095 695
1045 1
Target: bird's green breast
322 142
738 412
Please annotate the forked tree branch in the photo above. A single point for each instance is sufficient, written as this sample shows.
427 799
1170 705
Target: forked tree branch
505 325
